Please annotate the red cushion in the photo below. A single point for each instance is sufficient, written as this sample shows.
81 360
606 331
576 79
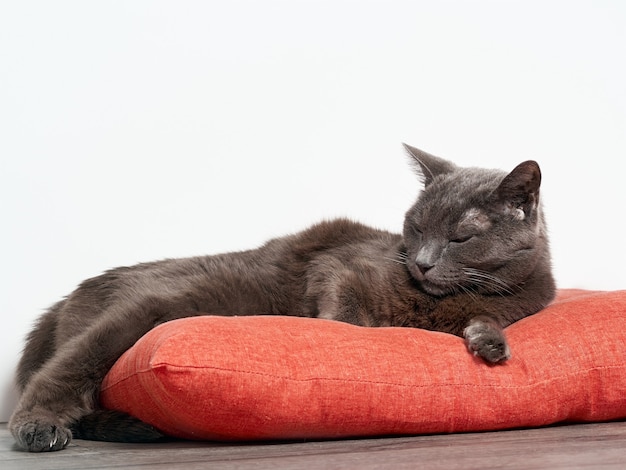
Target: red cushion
265 377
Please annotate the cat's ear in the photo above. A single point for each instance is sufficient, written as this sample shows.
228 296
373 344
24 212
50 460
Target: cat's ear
518 193
428 166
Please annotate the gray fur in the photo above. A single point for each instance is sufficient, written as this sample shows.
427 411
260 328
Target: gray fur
472 259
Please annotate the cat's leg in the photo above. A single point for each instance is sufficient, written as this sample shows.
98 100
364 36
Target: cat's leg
40 346
43 415
480 320
485 338
65 388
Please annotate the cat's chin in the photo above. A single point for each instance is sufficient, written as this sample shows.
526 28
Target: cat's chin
435 290
428 286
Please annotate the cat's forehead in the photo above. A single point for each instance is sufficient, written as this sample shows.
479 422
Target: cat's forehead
449 212
463 189
476 217
462 197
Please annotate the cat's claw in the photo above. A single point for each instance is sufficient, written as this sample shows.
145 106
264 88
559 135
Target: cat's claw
43 439
39 435
487 341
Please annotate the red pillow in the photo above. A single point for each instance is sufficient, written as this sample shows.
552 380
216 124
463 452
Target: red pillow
265 377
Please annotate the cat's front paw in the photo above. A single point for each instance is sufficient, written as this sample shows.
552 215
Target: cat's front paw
486 340
39 432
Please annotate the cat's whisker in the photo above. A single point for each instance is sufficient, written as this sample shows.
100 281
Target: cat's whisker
494 287
486 279
468 291
394 260
399 258
501 290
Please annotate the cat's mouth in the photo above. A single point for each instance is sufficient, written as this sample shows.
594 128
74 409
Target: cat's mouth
438 290
430 284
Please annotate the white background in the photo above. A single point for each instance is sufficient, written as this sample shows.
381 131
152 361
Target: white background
138 130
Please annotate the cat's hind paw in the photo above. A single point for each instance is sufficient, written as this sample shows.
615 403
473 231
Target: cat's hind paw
485 339
36 433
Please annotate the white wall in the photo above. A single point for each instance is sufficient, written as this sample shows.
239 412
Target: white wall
132 131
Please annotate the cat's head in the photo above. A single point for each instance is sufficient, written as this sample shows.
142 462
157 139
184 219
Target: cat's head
474 230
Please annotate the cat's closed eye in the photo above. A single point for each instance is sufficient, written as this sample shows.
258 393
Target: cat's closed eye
462 239
416 231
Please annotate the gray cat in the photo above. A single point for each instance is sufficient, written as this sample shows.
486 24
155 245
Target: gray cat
472 259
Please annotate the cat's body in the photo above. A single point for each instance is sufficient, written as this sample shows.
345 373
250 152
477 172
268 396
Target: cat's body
473 258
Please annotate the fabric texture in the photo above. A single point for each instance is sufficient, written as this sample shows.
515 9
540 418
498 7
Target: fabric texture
267 377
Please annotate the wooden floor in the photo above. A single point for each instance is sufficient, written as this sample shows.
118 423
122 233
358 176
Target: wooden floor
588 446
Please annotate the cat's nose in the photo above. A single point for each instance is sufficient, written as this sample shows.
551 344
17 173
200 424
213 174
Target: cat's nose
423 266
427 257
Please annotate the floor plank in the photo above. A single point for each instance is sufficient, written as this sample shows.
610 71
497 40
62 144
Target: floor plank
583 446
